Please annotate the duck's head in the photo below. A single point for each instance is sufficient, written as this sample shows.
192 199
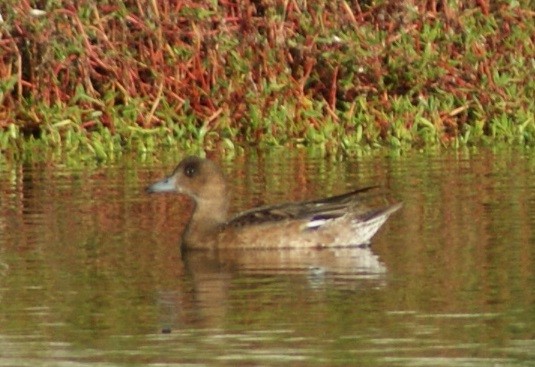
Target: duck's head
200 179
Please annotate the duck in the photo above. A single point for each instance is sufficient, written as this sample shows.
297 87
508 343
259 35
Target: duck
336 221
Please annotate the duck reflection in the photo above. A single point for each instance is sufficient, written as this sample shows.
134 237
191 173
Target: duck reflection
350 262
215 281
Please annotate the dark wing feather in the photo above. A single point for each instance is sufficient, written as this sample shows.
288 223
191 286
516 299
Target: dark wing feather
327 208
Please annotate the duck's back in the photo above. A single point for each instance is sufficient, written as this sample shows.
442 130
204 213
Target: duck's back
335 221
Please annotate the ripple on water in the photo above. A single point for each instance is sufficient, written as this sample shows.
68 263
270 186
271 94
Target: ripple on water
91 274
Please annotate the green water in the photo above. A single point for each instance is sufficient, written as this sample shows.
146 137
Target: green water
91 274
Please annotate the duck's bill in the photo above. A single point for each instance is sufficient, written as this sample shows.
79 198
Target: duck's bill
165 185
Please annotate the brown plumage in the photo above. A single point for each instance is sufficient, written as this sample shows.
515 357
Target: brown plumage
331 222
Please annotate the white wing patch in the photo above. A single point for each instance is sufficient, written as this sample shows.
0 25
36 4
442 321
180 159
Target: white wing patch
316 223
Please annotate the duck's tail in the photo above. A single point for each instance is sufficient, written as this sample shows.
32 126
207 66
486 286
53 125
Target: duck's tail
366 225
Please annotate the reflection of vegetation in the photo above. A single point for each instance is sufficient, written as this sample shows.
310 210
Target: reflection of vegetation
98 78
91 261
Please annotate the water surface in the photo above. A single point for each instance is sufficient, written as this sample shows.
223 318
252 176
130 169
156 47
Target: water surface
91 272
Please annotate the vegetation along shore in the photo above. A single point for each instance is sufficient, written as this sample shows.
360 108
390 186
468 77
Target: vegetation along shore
97 79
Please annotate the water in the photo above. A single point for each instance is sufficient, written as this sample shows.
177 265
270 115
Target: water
91 274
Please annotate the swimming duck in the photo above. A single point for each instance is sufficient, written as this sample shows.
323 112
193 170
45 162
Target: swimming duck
337 221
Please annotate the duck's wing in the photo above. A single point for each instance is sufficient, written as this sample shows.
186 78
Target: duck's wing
317 211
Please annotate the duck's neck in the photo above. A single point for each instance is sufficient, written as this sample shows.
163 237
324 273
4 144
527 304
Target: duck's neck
209 215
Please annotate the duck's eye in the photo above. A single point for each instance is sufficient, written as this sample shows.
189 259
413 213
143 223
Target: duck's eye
190 170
